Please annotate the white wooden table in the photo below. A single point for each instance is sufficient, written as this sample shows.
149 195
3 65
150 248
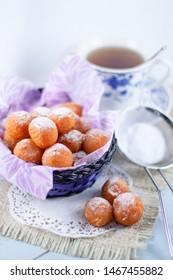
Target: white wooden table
11 249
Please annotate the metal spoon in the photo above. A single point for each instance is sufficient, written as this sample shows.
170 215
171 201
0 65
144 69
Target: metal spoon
164 126
156 55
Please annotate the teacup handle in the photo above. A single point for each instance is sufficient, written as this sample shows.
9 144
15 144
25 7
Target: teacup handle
165 64
146 90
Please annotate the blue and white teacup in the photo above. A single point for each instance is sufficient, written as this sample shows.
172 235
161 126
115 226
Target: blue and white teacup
125 86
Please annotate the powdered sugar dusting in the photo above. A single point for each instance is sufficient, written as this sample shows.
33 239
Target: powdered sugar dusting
56 149
72 136
95 131
28 148
113 180
62 112
43 123
148 146
22 116
116 186
126 199
43 111
98 202
114 190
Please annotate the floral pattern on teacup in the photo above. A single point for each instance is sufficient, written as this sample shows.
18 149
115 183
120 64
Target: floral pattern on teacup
156 96
121 87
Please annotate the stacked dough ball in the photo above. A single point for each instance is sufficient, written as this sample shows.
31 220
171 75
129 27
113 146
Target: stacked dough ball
117 203
56 137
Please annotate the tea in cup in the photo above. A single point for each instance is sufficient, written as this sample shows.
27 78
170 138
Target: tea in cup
114 57
123 69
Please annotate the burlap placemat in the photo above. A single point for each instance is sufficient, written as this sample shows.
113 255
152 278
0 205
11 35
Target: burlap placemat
119 244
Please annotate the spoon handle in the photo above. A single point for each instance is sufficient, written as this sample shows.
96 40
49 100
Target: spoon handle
162 49
163 212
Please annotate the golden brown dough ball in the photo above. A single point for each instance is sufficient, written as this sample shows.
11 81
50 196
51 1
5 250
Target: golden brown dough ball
40 112
43 132
82 124
98 211
17 124
78 122
85 125
27 150
72 140
9 141
93 140
127 209
113 187
76 108
63 118
57 156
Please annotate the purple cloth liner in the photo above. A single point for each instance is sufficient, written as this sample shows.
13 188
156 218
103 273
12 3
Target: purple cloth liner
75 80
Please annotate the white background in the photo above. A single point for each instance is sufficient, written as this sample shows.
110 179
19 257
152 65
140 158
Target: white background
35 34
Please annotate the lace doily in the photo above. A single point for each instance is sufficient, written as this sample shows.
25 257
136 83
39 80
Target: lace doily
62 215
